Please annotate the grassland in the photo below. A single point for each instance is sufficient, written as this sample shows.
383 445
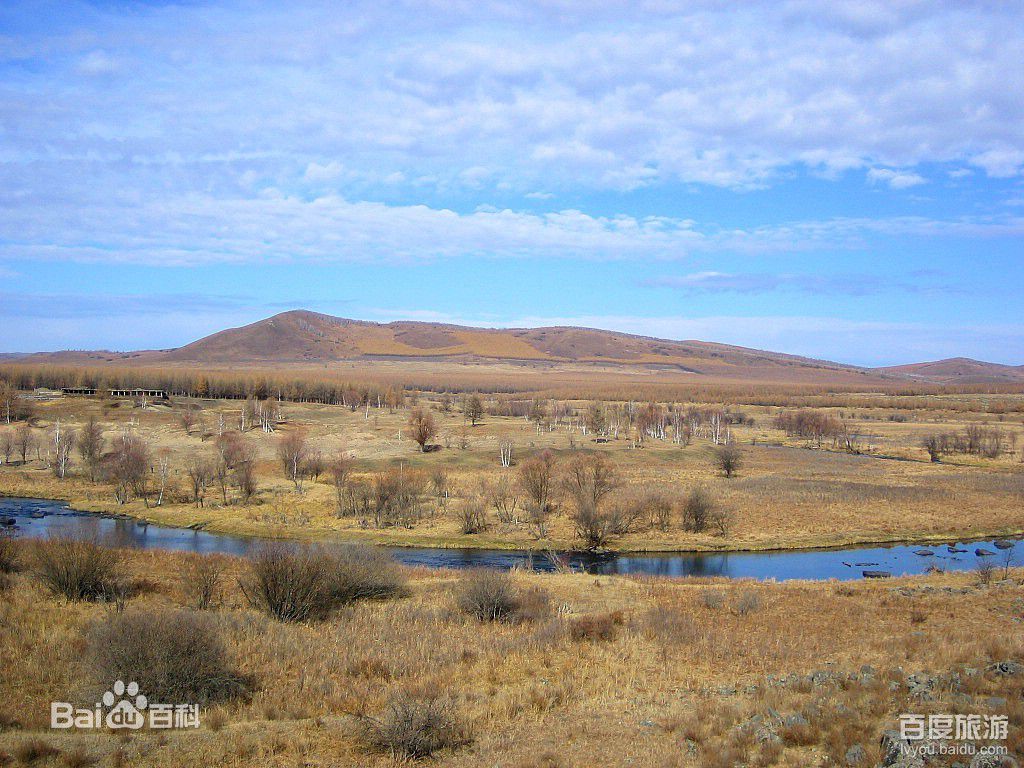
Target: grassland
788 492
621 671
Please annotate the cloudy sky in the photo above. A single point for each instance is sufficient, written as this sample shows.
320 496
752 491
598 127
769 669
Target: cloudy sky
843 180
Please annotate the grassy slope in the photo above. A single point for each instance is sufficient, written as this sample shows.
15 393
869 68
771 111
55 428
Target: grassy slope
786 495
690 661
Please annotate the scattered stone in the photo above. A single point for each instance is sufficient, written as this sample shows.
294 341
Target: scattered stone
856 755
646 723
985 760
983 552
795 720
955 550
876 574
1002 544
995 702
1006 668
8 522
898 753
923 552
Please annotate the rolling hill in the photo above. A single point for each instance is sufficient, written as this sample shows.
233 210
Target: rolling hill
304 338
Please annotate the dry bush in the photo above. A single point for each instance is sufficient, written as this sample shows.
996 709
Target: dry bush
9 560
749 601
713 599
474 516
361 572
289 584
174 656
728 459
306 583
488 595
202 582
34 750
670 626
415 727
80 758
598 626
79 569
533 605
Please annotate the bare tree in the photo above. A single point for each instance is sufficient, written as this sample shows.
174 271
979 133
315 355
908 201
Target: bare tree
199 473
7 445
8 402
423 427
163 471
441 485
728 459
501 494
537 481
292 450
594 421
473 408
24 441
188 418
245 470
127 466
90 446
63 445
340 469
933 444
505 450
700 512
589 481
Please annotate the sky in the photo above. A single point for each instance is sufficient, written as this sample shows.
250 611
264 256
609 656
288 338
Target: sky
842 180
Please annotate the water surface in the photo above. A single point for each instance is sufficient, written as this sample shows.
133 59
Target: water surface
40 518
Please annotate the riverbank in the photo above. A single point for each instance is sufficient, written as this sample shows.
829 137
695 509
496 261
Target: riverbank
225 522
648 670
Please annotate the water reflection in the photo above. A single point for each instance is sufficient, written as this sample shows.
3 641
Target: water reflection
40 518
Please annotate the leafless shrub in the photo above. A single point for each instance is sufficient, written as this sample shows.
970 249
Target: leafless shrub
34 750
78 569
474 516
712 599
173 655
728 459
537 482
79 757
697 511
600 626
289 584
985 571
306 583
488 595
748 601
361 572
202 582
415 727
9 559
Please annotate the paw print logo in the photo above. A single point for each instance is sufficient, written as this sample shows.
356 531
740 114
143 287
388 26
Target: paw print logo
125 711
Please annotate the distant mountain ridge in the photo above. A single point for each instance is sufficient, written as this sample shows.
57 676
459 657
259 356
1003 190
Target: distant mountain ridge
304 337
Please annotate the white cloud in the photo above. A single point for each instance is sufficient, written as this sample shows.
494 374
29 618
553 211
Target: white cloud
895 179
621 96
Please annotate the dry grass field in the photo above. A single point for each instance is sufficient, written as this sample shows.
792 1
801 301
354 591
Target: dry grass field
598 671
787 492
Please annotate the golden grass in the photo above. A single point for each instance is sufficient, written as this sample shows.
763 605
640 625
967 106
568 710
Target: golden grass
668 686
785 495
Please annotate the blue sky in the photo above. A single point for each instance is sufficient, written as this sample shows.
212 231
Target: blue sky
843 182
